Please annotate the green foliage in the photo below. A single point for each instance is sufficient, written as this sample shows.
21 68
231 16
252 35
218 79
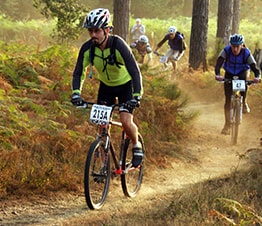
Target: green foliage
68 14
45 135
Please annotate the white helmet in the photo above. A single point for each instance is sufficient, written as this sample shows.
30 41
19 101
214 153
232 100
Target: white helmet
172 30
97 18
138 20
143 39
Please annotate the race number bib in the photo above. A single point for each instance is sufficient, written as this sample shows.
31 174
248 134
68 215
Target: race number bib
100 114
239 85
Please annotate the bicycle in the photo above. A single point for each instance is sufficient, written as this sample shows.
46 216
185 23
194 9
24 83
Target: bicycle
236 105
98 161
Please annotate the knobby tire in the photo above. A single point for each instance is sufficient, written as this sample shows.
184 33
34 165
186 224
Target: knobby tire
132 180
96 177
236 122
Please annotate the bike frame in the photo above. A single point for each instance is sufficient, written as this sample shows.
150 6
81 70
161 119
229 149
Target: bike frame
236 107
104 133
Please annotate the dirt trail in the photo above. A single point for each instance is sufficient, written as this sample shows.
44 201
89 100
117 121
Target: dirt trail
216 158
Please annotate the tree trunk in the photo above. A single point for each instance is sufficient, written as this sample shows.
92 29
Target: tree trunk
224 20
235 21
121 18
198 38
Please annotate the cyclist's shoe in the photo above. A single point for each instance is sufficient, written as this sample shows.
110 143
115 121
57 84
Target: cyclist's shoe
137 156
246 108
225 130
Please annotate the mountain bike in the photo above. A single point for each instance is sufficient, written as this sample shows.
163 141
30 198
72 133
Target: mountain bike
98 170
236 105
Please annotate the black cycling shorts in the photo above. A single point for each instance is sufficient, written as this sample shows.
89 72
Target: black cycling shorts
109 94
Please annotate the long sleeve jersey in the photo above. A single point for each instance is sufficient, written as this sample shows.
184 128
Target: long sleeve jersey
120 72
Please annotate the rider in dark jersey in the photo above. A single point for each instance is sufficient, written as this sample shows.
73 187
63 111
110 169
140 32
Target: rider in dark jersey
176 45
118 72
236 60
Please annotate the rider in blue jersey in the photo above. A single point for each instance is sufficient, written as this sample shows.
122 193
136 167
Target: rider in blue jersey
236 60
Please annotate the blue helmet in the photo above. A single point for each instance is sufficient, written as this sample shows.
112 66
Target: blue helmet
236 39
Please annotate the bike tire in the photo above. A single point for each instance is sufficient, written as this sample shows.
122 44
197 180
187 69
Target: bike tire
235 123
132 179
96 176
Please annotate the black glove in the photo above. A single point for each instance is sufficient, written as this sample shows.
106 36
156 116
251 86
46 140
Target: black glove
137 98
76 99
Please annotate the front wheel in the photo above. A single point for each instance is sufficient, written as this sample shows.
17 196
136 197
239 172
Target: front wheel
235 122
97 175
131 180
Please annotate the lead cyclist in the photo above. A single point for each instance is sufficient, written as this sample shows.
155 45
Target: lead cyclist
118 73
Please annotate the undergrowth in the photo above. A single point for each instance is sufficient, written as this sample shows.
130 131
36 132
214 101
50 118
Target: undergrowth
44 139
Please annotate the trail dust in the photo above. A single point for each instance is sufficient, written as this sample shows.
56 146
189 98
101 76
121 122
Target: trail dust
215 158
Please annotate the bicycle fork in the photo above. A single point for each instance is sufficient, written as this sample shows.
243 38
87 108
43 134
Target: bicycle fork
234 99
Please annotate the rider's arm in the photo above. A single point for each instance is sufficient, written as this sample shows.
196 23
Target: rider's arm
162 42
252 63
131 66
255 70
219 63
143 29
220 60
79 71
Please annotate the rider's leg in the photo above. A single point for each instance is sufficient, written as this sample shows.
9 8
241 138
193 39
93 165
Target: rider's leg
129 126
174 59
131 130
168 55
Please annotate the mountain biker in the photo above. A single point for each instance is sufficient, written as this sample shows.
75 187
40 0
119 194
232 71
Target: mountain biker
119 75
137 30
176 43
143 48
236 60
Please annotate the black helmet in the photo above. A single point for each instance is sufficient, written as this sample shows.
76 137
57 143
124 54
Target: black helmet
236 39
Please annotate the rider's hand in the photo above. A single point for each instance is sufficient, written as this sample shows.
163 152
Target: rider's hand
257 80
219 78
76 99
137 99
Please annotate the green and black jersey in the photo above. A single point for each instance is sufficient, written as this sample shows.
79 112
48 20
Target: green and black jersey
123 68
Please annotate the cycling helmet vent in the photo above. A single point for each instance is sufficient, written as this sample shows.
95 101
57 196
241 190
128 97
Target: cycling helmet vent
97 18
236 39
143 39
172 30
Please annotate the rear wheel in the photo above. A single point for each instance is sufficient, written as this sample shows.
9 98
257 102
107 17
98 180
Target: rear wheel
131 180
97 175
236 122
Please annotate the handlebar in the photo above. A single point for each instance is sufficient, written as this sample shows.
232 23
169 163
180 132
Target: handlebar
227 80
129 104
